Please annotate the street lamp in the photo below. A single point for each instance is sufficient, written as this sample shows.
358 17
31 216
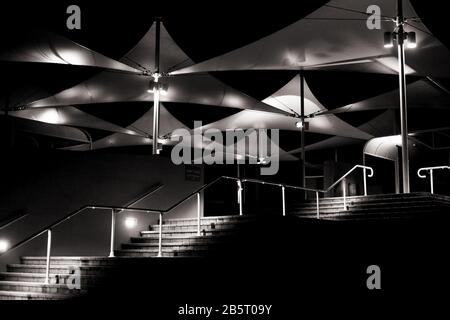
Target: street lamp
302 125
409 39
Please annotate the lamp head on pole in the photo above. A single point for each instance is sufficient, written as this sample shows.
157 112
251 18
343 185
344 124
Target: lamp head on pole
388 39
408 37
411 40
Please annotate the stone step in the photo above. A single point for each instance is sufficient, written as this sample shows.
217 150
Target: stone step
205 226
54 279
350 202
208 220
145 253
385 207
38 287
58 270
155 247
384 215
374 198
69 261
19 295
349 215
182 240
186 233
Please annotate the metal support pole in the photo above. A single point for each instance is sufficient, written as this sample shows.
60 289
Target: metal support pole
239 183
317 205
198 213
49 249
156 92
302 118
431 181
284 200
365 181
403 101
160 235
344 193
113 232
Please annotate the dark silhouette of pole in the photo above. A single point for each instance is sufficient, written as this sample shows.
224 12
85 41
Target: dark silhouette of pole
403 102
156 92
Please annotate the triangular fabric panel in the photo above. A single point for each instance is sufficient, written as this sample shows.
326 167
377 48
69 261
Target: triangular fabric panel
144 125
114 87
46 47
51 130
69 116
420 94
288 98
329 124
142 56
379 126
336 36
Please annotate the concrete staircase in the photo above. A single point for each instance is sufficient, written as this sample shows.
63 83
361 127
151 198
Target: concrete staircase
222 237
72 277
374 207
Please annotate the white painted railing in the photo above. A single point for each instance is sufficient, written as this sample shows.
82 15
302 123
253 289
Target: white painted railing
430 169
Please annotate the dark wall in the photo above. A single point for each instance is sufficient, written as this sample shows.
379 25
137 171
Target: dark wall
49 186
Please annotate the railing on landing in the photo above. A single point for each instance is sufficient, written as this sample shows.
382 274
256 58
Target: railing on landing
431 169
318 191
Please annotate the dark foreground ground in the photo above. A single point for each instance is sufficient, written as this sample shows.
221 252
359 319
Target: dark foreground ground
298 266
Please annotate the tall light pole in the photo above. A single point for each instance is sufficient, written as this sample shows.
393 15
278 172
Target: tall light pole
403 101
403 38
156 91
302 118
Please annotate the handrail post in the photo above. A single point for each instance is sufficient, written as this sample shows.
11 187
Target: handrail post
113 231
239 183
317 205
49 248
365 181
431 181
160 235
283 195
344 192
198 213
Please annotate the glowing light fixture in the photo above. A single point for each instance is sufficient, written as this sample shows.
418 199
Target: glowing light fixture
162 87
130 222
302 125
389 39
4 246
411 40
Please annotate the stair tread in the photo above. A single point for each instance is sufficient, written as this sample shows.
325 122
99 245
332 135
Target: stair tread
58 296
33 284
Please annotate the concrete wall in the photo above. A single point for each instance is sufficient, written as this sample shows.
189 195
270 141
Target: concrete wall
50 186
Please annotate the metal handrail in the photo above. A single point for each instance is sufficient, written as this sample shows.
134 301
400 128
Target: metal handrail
349 172
10 221
49 228
431 169
317 191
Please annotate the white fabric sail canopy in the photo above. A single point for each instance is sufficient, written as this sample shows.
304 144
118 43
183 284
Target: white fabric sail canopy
116 87
144 125
51 130
46 47
336 36
288 99
69 116
421 94
379 126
